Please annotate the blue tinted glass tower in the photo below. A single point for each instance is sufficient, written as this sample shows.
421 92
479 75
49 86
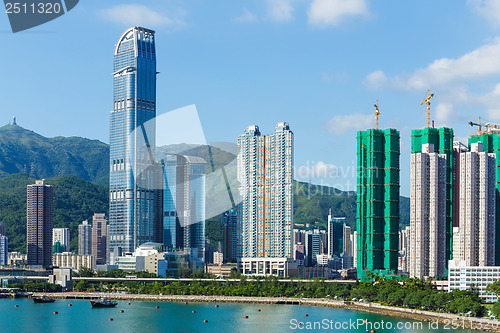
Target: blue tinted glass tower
134 196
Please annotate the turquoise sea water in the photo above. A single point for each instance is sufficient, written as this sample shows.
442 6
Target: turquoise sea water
178 317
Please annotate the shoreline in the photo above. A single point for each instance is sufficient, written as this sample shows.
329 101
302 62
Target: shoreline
482 324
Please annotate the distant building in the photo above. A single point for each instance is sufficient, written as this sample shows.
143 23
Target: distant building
354 243
312 246
335 235
2 229
136 261
62 277
74 261
404 249
16 259
280 267
377 212
221 270
4 250
60 240
99 238
299 253
85 238
265 178
476 230
39 224
168 264
218 258
184 205
230 228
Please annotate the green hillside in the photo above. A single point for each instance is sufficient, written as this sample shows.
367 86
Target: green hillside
24 151
75 200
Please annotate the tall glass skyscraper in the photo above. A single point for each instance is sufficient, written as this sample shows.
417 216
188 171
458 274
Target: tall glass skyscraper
135 202
265 177
184 205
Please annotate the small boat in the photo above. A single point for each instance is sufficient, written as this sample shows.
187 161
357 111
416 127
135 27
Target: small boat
43 299
103 303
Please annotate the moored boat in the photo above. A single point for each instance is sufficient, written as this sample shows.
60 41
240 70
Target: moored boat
43 299
103 303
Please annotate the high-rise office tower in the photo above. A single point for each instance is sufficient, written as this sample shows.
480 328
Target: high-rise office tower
60 240
428 220
312 246
2 229
4 250
347 251
491 144
476 229
377 211
184 204
265 177
39 224
84 238
230 228
135 211
99 238
335 235
431 208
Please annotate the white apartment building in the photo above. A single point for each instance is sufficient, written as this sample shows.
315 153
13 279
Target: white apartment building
474 239
265 177
74 261
427 251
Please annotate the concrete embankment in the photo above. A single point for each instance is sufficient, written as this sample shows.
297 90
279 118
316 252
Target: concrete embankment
451 320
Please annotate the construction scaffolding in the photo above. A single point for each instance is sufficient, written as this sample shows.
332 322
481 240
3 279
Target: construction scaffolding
491 144
442 139
377 212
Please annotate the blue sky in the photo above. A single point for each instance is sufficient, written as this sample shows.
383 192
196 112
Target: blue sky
319 65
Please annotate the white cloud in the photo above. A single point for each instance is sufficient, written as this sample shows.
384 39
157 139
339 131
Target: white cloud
491 101
332 12
490 9
479 63
247 16
318 170
280 10
376 80
338 125
134 14
444 113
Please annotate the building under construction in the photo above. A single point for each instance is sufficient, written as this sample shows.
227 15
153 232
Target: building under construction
491 144
377 213
431 194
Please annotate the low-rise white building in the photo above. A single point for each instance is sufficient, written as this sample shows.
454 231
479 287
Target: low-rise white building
268 266
461 277
74 261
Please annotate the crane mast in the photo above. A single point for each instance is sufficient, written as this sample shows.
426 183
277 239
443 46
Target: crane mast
428 103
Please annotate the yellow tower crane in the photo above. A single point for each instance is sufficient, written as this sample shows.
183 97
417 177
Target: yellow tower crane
427 101
479 126
377 113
